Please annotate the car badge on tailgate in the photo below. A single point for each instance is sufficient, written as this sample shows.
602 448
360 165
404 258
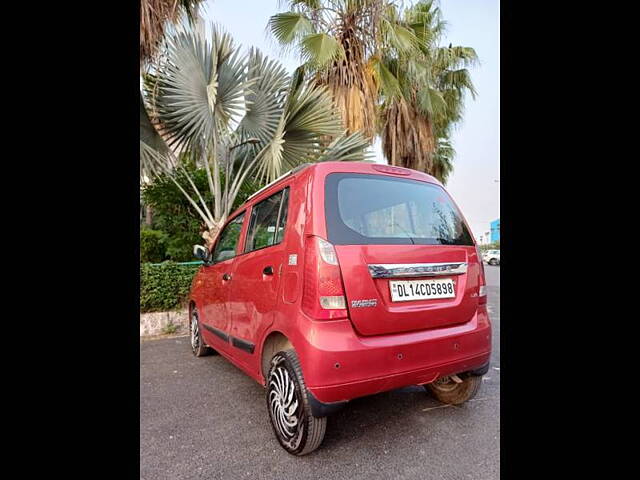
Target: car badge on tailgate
371 302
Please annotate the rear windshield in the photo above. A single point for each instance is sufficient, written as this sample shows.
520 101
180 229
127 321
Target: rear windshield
366 209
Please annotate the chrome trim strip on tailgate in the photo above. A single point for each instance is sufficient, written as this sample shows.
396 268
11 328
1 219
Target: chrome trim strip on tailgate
395 270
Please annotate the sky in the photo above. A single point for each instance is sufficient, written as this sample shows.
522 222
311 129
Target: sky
474 183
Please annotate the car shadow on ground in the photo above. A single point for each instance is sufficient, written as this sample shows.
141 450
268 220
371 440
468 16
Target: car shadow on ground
398 412
380 415
402 410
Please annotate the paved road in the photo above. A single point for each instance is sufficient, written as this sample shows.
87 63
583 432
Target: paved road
203 418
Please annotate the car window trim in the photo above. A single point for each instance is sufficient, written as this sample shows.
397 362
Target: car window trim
275 234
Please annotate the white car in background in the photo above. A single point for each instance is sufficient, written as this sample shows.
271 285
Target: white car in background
492 257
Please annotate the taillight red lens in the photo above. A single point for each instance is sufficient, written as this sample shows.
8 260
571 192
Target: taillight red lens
482 295
482 289
323 296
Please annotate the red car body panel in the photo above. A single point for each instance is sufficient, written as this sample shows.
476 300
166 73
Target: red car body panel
386 346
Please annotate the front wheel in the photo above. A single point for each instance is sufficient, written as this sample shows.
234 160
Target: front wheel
446 390
297 430
198 347
493 262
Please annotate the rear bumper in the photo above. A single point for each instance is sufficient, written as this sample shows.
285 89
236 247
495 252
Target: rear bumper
338 365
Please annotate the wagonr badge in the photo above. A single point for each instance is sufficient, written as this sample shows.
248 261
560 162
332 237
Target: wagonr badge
372 302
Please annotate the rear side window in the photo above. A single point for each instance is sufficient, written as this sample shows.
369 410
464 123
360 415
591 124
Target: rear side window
268 221
226 246
366 209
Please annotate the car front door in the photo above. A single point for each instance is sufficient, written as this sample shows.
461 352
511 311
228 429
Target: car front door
215 314
256 275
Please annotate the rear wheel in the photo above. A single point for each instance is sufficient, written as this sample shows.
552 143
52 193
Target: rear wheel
198 347
297 430
447 390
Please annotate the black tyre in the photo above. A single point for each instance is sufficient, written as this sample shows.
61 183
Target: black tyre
297 430
446 390
198 347
493 262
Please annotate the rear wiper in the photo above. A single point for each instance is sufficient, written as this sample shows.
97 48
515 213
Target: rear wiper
445 241
405 232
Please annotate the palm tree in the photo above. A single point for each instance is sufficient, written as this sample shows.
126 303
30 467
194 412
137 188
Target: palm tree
154 15
387 74
340 43
429 100
235 115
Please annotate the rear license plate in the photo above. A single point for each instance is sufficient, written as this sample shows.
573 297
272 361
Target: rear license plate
406 290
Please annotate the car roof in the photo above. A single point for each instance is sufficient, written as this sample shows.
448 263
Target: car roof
326 168
372 168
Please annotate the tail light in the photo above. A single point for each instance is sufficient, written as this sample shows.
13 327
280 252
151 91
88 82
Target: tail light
482 290
323 296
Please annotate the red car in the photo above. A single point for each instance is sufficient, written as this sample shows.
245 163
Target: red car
341 280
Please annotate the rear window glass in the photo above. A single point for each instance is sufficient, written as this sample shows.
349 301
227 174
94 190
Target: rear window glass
366 209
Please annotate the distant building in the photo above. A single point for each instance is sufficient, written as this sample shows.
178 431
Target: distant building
495 231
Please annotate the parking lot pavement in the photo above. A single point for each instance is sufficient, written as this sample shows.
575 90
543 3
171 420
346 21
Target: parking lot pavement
492 275
204 418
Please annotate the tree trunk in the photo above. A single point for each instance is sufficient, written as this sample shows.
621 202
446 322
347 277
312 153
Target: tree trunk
210 236
148 217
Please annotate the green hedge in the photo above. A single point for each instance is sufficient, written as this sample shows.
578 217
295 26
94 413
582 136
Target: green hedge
153 245
165 286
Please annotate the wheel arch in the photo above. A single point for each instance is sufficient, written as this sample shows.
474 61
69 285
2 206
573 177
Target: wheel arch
274 342
192 304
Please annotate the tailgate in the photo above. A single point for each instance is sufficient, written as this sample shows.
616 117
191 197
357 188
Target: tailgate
368 270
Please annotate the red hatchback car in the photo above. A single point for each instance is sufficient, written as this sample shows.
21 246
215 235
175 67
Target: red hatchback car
341 280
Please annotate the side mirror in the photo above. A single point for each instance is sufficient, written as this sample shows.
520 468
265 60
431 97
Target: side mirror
201 253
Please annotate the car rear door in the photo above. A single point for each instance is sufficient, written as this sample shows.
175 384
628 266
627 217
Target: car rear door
407 258
215 312
256 273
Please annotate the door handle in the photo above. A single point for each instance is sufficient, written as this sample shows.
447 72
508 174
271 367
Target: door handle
226 277
268 270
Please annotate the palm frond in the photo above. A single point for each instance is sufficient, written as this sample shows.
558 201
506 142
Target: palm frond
182 98
265 98
289 27
404 40
453 57
232 84
308 117
387 82
431 102
319 49
200 88
457 80
148 133
150 142
347 148
443 160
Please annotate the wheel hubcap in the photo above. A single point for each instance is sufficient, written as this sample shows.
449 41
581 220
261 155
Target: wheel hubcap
195 340
283 407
